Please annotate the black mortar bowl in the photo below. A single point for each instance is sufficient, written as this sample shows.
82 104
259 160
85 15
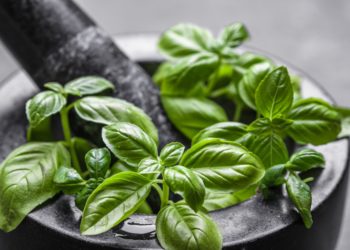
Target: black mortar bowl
254 224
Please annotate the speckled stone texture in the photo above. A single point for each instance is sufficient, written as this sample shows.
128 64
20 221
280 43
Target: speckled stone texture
55 41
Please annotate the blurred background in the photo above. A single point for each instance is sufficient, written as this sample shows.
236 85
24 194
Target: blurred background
313 35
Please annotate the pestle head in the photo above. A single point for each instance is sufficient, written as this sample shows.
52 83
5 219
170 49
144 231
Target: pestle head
56 41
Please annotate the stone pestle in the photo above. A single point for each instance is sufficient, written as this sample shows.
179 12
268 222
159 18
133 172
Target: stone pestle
54 40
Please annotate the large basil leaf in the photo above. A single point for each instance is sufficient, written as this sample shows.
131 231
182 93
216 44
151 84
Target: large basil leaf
190 115
315 122
274 95
26 178
223 166
88 85
270 147
180 228
184 40
219 200
113 201
250 82
108 110
230 131
97 162
172 153
43 105
305 159
233 35
129 143
300 194
183 181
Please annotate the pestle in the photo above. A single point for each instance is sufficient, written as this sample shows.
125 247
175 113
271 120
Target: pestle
54 40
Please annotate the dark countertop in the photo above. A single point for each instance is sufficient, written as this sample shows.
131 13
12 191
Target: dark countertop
313 35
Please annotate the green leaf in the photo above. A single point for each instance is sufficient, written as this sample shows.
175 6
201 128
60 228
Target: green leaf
248 59
250 82
265 125
345 121
113 201
270 147
97 162
183 181
190 115
172 153
81 147
274 176
129 143
150 167
300 194
43 105
41 133
315 122
233 35
82 196
180 228
26 178
120 166
219 200
274 95
54 86
68 180
222 165
229 131
108 110
88 85
305 159
184 40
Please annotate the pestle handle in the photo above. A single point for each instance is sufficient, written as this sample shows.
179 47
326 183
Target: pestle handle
54 40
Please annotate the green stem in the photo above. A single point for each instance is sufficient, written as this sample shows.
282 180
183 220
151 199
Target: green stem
238 112
67 137
165 198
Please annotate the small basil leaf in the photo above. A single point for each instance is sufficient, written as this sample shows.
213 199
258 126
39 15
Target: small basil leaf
270 147
68 180
250 82
84 194
233 35
97 162
43 105
171 153
300 194
113 201
42 132
129 143
81 147
305 160
88 85
219 200
230 131
274 95
26 178
179 227
315 122
183 181
108 110
223 166
184 40
190 115
274 176
150 167
54 86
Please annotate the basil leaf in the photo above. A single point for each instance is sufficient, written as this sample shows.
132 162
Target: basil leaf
190 115
179 227
129 143
68 178
233 35
248 59
42 132
305 160
274 95
300 194
219 200
345 121
108 110
265 125
250 82
171 153
88 85
26 178
113 201
270 147
150 167
230 131
97 161
183 181
222 165
81 147
184 40
274 176
315 122
54 86
120 166
82 196
43 105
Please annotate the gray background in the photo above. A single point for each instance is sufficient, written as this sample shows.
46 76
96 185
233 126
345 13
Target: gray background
314 35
